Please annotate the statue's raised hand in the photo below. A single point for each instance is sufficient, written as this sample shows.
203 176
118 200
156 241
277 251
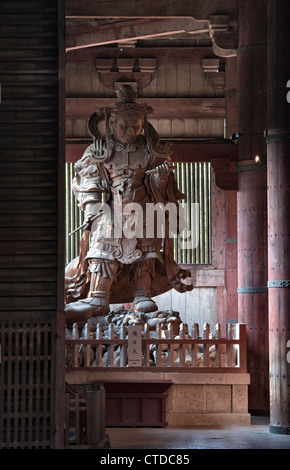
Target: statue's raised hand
162 171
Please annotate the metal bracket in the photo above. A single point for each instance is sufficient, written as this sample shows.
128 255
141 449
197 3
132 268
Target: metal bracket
252 290
281 283
277 138
252 167
231 240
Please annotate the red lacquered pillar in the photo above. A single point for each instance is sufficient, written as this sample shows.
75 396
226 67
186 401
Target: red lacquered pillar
278 154
252 196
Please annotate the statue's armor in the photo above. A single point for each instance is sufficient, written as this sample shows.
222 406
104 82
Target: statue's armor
126 168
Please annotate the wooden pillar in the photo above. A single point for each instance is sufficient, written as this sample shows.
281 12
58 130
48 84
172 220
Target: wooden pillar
231 277
278 152
252 197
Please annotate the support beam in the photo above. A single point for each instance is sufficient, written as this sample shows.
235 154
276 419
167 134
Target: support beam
278 152
221 154
176 108
163 55
132 32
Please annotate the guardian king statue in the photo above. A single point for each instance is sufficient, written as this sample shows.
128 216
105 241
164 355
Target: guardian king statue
120 175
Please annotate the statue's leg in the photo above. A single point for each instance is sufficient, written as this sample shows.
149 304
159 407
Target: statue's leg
103 274
143 277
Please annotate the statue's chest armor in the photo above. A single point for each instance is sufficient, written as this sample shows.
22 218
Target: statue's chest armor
127 157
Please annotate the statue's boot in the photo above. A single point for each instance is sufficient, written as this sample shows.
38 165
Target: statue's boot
143 302
142 298
85 308
96 304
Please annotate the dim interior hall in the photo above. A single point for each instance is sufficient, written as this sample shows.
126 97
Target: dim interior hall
212 359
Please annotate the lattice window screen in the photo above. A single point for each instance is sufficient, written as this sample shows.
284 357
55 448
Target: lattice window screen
194 180
27 381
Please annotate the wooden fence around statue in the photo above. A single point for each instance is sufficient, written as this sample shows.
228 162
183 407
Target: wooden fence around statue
163 347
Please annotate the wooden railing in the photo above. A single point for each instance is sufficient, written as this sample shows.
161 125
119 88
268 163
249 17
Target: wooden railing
161 348
84 417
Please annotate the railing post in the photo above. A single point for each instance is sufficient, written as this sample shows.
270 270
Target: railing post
123 347
76 412
67 420
171 346
205 346
194 347
99 346
147 345
242 355
111 347
230 349
92 418
158 345
75 335
217 346
87 349
182 346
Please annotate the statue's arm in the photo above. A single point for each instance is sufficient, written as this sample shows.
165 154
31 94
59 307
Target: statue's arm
87 185
163 185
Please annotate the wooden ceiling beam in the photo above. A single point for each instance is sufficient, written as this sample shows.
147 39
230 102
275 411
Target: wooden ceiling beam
134 32
162 55
175 108
163 8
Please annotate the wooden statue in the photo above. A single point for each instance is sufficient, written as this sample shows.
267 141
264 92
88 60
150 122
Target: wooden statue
119 176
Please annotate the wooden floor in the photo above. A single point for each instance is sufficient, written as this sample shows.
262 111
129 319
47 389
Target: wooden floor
255 436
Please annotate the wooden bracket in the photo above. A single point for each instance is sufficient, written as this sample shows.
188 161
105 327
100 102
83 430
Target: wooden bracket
125 70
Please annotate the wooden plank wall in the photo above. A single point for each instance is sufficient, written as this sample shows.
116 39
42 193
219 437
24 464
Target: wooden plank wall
171 80
31 253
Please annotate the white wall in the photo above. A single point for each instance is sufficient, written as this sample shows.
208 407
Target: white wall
197 306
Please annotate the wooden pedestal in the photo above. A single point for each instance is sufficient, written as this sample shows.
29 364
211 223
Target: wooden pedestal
136 403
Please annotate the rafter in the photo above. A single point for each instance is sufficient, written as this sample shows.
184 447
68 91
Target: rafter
134 31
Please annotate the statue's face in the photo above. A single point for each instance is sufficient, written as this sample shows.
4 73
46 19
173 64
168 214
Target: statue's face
127 128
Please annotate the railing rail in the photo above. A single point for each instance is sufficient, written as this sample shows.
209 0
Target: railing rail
161 348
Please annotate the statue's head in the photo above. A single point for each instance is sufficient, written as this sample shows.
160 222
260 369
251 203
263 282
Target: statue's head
127 117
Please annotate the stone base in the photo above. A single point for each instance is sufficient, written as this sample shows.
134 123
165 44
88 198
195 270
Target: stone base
208 419
193 399
207 404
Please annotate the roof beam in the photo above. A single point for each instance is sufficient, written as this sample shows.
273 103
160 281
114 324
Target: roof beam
176 108
136 9
133 32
